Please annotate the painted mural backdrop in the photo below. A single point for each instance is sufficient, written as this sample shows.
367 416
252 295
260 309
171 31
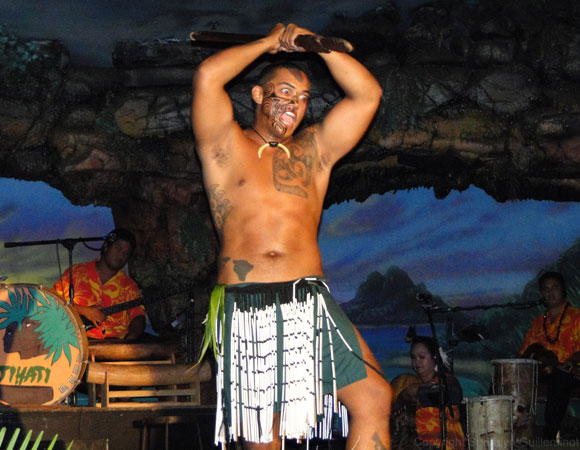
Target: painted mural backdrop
465 251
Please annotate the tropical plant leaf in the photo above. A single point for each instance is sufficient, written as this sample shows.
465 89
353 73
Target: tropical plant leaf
51 446
26 440
38 440
12 442
216 312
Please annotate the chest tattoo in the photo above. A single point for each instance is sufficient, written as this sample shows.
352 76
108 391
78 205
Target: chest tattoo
294 175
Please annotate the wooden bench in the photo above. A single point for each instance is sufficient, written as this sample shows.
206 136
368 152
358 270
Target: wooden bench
139 375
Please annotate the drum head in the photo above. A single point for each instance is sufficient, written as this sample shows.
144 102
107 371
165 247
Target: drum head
44 347
514 361
490 398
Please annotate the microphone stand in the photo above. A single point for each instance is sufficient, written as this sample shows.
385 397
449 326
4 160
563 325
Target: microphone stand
427 304
69 244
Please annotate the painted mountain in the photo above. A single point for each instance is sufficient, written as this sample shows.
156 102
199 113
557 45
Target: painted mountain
388 299
384 301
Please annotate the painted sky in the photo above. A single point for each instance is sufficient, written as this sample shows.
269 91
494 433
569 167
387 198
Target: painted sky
33 211
466 248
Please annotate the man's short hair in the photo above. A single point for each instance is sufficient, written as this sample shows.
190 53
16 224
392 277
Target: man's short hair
553 275
121 234
268 72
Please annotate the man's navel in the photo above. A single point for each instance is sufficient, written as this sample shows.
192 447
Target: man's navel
274 254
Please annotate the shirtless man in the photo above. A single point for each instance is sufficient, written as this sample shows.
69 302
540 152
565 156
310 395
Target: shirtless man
266 188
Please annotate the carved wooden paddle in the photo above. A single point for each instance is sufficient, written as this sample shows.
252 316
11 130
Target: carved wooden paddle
309 42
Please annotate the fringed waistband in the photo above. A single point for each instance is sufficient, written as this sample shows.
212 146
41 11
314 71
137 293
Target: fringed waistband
262 295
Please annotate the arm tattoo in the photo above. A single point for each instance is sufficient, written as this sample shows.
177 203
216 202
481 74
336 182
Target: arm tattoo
220 207
242 267
293 175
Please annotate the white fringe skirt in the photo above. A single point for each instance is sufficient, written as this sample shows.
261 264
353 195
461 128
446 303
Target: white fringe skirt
273 360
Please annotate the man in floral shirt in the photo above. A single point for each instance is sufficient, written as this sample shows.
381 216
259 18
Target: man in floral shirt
101 283
554 340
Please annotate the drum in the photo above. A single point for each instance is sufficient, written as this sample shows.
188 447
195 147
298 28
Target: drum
121 350
489 422
518 378
44 346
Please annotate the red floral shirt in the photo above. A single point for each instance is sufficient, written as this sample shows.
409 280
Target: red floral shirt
426 419
569 339
89 291
429 427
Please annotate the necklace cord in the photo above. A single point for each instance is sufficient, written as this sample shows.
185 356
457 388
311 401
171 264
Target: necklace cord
550 340
270 144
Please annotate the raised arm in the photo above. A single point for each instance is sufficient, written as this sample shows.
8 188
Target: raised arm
212 115
348 120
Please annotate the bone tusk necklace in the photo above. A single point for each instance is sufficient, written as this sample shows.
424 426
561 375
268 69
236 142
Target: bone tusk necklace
270 144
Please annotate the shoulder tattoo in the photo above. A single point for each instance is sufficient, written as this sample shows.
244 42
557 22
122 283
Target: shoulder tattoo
293 175
220 207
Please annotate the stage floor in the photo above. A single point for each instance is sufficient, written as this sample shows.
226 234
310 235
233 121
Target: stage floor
191 428
113 428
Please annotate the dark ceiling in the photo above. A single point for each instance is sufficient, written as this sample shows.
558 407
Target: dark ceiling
89 29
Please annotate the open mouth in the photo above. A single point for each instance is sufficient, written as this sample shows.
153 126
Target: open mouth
288 118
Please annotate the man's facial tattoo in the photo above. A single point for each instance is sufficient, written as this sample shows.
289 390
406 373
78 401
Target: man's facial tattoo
274 106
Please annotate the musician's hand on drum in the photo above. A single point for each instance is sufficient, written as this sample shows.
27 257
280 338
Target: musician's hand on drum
92 313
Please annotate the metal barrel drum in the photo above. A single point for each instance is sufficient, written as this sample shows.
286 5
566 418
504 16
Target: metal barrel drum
518 378
489 422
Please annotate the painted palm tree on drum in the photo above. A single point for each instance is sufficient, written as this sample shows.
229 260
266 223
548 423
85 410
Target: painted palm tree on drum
43 346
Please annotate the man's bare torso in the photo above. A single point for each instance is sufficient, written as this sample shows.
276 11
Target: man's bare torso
266 210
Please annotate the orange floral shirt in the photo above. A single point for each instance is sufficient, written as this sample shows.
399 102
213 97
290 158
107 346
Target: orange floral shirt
89 291
429 426
569 340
